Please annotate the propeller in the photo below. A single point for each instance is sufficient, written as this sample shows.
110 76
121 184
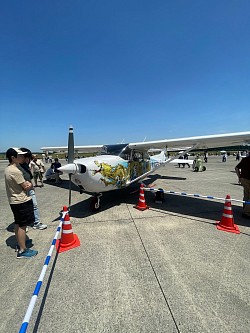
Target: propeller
71 152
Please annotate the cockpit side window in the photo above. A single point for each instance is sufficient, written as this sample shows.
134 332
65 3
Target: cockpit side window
125 153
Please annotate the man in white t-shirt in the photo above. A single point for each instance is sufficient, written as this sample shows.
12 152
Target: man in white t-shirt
37 169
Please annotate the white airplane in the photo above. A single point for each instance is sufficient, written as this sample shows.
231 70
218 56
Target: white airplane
120 165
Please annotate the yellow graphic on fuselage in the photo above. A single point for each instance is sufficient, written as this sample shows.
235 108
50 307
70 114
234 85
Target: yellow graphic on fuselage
112 175
119 175
136 169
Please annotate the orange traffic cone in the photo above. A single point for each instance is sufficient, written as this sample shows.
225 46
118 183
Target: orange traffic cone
141 203
227 220
68 240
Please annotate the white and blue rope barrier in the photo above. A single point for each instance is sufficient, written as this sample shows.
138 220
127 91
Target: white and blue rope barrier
192 195
34 297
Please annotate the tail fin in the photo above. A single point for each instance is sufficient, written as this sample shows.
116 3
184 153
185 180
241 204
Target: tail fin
159 157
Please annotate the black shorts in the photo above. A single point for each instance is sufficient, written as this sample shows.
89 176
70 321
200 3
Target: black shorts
24 213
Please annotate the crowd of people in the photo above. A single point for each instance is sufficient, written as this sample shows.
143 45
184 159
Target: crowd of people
23 168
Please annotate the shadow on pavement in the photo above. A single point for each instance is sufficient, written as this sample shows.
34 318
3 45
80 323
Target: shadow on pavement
11 242
176 204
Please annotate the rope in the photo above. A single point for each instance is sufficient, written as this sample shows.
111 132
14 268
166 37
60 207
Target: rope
34 297
192 195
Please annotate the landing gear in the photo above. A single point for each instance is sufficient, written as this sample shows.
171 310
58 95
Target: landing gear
95 204
196 169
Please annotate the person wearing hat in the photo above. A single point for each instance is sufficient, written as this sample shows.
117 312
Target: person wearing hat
20 203
25 169
38 169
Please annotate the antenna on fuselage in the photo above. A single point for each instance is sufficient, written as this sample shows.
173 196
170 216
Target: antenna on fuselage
71 152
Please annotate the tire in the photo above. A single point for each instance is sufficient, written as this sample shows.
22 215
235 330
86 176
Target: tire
204 168
196 169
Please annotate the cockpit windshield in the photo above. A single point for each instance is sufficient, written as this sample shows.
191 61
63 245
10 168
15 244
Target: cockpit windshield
113 149
124 151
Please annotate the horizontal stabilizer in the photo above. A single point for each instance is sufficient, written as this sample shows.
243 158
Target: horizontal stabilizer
179 160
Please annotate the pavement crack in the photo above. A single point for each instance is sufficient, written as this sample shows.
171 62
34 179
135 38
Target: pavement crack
154 272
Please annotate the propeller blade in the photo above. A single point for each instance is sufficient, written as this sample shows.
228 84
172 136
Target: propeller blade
70 189
71 153
71 145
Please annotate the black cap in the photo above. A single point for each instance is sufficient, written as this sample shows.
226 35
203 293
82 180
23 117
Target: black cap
26 151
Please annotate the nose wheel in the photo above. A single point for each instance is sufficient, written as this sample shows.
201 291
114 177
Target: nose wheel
95 204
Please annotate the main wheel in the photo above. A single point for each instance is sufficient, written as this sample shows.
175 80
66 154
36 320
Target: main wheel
196 169
204 168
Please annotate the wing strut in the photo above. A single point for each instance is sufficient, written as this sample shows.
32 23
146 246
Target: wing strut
161 165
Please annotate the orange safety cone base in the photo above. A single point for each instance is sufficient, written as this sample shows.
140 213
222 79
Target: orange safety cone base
227 220
62 247
234 229
141 203
141 208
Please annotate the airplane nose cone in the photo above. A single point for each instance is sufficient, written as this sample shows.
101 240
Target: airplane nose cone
73 168
69 168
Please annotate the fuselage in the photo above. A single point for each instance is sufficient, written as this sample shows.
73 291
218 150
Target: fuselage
116 168
101 174
108 172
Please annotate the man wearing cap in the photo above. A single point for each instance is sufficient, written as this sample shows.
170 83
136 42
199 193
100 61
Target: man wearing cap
243 172
24 168
38 169
20 203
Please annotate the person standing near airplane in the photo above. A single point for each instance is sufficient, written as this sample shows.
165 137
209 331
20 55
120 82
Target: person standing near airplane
186 158
183 164
25 169
243 172
20 203
205 156
38 169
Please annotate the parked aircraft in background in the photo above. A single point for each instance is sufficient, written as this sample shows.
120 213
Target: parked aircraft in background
120 165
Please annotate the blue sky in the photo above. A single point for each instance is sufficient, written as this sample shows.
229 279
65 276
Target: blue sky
122 70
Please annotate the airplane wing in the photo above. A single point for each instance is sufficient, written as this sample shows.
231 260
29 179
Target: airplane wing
185 144
201 142
190 143
80 149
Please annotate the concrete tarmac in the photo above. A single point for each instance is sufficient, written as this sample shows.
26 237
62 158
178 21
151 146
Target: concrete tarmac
166 269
